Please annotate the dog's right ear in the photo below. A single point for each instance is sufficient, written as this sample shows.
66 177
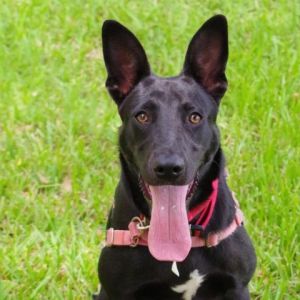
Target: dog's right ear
125 60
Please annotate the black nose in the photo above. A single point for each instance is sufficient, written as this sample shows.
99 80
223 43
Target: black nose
169 166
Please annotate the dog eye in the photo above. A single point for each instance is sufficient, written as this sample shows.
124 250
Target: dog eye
142 118
195 118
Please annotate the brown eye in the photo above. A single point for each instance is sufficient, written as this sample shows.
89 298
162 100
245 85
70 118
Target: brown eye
142 118
195 118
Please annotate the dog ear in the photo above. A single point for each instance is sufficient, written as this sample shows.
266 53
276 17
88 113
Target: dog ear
207 56
125 60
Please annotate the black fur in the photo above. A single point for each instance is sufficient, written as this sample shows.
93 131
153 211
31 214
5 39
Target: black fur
168 149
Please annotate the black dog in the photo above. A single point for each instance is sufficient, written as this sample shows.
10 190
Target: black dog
172 178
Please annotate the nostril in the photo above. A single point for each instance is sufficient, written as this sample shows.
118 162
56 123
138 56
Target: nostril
159 170
177 170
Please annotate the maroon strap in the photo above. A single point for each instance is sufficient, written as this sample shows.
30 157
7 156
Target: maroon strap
204 210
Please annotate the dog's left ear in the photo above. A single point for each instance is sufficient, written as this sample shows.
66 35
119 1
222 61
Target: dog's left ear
207 56
125 60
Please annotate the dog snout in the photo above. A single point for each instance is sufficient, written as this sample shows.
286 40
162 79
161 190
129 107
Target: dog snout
168 167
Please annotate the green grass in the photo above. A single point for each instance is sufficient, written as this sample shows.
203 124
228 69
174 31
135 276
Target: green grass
58 134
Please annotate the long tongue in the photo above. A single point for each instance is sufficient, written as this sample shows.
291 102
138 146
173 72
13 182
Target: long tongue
169 235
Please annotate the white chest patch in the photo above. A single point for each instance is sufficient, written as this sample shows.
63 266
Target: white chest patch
190 287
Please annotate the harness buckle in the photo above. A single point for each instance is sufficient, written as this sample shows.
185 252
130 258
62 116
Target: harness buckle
137 226
196 228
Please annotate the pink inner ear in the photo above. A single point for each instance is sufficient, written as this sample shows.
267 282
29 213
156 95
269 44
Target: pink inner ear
208 63
127 69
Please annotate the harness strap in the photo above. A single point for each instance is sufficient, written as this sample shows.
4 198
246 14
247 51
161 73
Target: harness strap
138 234
202 213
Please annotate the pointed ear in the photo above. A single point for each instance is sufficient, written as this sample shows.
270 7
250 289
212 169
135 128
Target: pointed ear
207 56
125 60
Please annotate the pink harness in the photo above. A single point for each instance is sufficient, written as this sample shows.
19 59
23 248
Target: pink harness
137 233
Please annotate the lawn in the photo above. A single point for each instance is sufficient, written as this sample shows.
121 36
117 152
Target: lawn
58 134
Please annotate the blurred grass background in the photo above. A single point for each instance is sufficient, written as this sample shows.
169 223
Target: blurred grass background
58 134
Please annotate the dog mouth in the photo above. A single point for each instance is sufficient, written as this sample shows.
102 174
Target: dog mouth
145 188
169 233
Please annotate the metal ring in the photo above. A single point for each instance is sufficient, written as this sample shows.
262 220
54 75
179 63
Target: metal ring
142 227
134 241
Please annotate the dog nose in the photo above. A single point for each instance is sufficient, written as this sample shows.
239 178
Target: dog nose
169 167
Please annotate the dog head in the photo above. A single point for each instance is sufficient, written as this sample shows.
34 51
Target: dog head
168 127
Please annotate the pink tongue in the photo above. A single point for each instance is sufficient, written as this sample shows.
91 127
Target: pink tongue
169 235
